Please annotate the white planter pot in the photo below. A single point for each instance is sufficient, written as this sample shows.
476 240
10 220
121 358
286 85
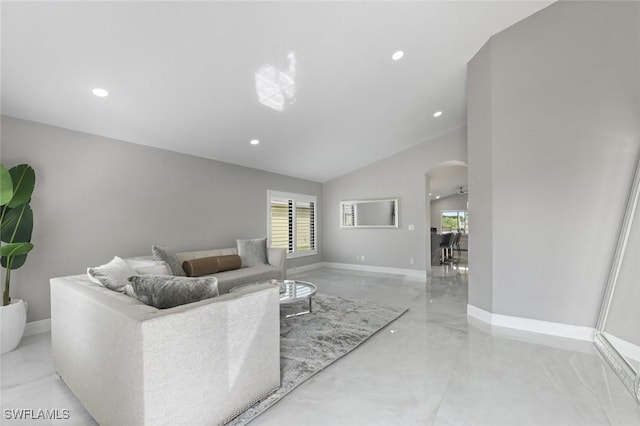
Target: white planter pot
13 319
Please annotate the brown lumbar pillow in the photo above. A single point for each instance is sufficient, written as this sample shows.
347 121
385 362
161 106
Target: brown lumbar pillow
202 266
210 265
229 262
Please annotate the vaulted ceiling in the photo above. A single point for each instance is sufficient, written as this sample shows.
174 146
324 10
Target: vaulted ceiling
314 82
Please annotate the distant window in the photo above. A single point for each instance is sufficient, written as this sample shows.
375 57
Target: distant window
455 221
292 223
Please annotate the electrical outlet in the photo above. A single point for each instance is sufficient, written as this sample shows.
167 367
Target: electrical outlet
412 227
411 261
362 257
357 258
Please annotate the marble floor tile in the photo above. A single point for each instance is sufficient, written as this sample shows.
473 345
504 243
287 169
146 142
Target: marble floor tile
432 366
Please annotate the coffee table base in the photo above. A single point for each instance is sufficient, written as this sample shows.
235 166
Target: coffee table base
310 310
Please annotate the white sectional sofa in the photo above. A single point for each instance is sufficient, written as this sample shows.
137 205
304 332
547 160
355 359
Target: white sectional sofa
197 364
275 269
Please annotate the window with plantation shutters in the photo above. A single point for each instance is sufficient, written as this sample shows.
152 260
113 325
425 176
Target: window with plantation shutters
292 223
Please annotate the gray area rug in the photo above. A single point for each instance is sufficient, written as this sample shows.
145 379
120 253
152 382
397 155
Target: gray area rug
310 343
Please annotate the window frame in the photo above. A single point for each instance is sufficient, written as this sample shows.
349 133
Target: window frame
466 216
291 196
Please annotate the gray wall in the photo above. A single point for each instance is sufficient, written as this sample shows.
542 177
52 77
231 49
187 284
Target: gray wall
480 177
96 198
401 176
554 131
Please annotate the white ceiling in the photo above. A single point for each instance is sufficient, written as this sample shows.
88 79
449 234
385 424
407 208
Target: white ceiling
181 75
447 180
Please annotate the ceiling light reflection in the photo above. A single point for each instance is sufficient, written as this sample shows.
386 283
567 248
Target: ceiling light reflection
397 55
101 93
275 88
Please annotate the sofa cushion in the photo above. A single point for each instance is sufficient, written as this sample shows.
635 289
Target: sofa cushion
210 265
252 252
158 268
198 254
112 275
147 266
165 291
229 279
171 259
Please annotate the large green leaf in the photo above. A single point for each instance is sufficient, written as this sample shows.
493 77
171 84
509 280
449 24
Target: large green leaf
17 225
15 249
24 180
17 252
16 261
6 186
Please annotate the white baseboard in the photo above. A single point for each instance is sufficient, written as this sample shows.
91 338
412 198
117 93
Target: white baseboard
305 268
37 327
412 273
479 314
532 325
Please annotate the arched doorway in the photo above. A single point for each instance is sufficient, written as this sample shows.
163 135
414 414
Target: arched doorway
446 206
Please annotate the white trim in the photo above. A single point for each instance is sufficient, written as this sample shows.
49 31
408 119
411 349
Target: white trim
37 327
413 273
479 314
305 268
272 193
625 347
297 254
532 325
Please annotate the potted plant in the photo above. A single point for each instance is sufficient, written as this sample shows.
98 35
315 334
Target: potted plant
16 225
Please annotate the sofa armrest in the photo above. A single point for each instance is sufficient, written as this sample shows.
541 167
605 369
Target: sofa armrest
216 360
278 257
198 363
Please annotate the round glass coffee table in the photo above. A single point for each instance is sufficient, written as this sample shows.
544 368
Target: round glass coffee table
291 291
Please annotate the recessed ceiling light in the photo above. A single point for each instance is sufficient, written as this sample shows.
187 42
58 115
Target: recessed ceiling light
101 93
254 142
437 197
430 194
397 55
437 113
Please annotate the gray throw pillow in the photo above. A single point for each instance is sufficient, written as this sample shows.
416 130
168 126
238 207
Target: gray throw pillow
166 291
252 252
171 259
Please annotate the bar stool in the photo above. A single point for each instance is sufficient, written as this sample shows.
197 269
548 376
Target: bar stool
445 247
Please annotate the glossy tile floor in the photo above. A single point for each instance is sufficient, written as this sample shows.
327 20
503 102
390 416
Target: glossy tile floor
430 367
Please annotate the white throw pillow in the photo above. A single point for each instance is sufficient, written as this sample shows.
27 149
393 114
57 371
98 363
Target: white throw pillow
112 275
